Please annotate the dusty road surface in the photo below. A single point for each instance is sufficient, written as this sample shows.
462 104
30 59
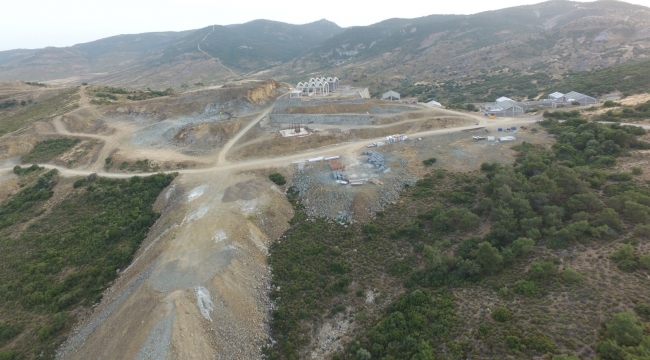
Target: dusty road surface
198 287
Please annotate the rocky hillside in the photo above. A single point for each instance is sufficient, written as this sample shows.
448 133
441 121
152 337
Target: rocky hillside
554 37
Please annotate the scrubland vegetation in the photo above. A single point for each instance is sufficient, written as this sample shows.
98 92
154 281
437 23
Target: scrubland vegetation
105 95
497 233
60 255
61 103
627 78
46 150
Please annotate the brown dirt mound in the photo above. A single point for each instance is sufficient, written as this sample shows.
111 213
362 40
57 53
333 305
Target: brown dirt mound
248 190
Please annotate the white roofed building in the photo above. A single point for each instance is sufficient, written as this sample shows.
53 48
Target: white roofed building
316 86
504 106
571 97
390 95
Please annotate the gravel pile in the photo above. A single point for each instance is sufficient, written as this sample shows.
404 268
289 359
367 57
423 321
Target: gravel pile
323 197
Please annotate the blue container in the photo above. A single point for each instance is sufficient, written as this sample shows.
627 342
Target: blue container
513 128
500 129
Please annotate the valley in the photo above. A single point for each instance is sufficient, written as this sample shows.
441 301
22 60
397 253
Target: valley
187 195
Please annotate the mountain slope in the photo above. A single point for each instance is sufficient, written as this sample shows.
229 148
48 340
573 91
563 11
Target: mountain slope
110 54
555 36
163 59
253 45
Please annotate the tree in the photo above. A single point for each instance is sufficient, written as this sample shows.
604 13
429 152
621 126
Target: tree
523 246
608 217
624 328
363 354
584 202
489 258
425 352
501 314
610 350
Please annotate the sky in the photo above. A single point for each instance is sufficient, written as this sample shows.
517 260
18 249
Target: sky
30 24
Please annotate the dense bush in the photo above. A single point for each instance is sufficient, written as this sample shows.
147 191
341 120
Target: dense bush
277 178
74 249
429 161
501 314
418 316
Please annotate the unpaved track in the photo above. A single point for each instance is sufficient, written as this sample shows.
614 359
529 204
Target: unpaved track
223 165
212 57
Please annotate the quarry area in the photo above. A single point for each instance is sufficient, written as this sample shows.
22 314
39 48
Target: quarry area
198 288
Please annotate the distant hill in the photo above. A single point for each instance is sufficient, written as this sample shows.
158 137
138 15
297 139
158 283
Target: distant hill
254 45
552 38
169 58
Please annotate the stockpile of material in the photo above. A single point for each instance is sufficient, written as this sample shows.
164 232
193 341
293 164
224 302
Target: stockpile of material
395 138
338 175
376 159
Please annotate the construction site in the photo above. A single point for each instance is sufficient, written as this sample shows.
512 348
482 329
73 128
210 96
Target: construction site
347 156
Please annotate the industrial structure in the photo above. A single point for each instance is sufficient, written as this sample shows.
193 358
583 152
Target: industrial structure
315 86
504 106
390 95
295 130
559 99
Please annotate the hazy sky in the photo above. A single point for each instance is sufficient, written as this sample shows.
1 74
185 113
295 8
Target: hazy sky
40 23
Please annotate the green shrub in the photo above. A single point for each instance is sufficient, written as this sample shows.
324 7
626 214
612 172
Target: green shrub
11 355
642 308
512 342
526 288
570 275
78 183
501 314
637 170
542 270
610 103
429 161
624 252
565 357
620 176
46 150
628 265
24 171
645 261
277 178
625 329
642 230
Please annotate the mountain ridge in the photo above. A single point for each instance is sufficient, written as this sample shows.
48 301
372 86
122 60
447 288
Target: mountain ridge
555 37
